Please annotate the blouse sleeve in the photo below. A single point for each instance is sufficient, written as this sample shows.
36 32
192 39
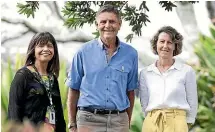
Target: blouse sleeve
192 97
144 96
60 123
16 97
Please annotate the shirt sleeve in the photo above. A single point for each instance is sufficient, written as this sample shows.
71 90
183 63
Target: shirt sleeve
144 96
191 95
76 72
133 75
16 97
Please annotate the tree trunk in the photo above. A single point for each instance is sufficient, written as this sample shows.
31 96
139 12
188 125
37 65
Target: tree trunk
187 17
211 10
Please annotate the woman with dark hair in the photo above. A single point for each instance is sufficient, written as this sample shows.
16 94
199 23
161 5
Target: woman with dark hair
34 91
168 90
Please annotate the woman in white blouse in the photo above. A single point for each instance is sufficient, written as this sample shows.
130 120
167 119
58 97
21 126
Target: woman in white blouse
168 90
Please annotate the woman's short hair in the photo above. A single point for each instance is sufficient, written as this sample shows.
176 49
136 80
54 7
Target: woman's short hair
176 37
43 38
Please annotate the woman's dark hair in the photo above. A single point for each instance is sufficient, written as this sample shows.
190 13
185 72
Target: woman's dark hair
43 38
176 37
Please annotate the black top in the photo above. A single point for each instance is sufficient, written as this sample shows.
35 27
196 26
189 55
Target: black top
28 99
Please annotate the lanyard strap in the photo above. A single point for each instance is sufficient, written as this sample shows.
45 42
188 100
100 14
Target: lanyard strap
46 87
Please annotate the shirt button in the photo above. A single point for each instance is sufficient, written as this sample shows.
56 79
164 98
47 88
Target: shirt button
107 88
107 100
107 76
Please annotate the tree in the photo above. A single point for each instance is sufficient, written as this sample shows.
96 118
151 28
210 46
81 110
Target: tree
18 28
211 10
79 13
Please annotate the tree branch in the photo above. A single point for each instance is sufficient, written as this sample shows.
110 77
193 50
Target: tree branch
48 4
53 6
15 37
57 11
27 25
73 39
32 29
123 5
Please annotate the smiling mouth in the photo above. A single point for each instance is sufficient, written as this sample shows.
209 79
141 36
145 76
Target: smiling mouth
45 54
108 30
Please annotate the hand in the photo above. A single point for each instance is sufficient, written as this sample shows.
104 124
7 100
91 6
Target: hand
73 129
189 125
129 122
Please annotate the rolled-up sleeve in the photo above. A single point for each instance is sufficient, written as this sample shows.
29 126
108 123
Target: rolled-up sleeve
76 72
191 95
144 96
133 75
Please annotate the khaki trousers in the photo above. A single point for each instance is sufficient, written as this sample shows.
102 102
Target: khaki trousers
90 122
165 120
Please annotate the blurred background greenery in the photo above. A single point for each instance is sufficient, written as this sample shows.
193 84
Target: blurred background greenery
205 122
187 17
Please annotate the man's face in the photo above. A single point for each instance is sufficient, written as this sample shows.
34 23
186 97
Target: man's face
108 25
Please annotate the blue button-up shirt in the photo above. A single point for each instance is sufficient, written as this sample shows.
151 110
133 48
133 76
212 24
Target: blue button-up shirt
104 84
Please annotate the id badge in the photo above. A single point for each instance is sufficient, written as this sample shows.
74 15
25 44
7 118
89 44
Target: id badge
52 117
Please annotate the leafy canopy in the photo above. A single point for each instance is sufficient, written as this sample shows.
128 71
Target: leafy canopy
78 13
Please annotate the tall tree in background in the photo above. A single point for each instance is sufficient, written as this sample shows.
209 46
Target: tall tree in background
51 20
211 10
78 13
187 17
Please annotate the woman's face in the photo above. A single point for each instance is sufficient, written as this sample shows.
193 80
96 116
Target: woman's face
44 52
165 46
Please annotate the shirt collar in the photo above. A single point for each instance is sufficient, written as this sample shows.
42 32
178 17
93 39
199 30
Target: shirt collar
101 44
177 65
152 67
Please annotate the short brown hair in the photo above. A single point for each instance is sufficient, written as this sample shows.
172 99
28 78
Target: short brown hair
109 8
176 37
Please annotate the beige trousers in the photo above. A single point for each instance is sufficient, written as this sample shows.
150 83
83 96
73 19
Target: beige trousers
165 120
90 122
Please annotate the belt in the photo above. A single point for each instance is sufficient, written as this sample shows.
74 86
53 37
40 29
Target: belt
159 116
100 111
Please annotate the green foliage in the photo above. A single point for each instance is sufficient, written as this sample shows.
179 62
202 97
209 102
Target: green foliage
29 8
167 5
137 117
205 50
79 13
6 79
212 30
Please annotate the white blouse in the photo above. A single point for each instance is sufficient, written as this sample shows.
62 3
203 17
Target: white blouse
175 88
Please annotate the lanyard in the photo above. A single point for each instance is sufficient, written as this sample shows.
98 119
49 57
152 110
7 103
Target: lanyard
46 87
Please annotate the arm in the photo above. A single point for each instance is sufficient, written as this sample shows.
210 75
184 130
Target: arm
73 96
144 96
131 85
76 72
16 97
131 97
74 82
191 94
